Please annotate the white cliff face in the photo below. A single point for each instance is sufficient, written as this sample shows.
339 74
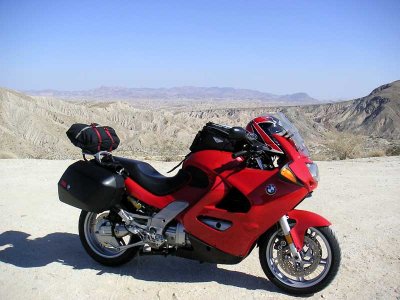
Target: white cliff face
34 127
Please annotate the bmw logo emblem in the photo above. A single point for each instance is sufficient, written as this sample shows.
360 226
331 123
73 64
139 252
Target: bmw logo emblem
270 189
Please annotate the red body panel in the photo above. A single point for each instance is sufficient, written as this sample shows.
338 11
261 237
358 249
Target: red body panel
304 220
264 212
224 173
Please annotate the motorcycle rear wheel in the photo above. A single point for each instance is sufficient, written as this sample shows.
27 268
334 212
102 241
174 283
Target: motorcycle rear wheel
321 256
93 246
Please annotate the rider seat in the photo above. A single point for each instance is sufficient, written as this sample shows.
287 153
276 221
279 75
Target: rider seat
150 179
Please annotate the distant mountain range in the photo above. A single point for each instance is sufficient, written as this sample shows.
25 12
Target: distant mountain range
176 93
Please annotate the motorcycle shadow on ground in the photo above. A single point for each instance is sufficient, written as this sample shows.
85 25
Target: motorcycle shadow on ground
18 249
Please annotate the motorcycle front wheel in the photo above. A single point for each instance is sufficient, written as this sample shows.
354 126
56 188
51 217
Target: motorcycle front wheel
97 245
320 261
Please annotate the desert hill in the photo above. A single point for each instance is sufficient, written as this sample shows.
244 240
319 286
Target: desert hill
377 114
34 127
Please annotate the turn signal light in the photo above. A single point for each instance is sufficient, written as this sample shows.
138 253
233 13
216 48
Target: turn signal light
288 174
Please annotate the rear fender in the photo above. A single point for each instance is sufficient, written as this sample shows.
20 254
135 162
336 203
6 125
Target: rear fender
304 220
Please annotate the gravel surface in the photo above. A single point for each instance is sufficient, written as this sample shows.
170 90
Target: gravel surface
41 256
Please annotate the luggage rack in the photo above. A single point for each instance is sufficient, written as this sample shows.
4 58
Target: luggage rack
99 156
106 159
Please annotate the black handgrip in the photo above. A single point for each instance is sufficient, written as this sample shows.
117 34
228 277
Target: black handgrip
240 153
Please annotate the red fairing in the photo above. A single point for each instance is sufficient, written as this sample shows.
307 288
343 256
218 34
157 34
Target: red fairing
304 220
226 174
297 163
264 212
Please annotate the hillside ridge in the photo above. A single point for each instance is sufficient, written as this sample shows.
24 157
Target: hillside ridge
34 127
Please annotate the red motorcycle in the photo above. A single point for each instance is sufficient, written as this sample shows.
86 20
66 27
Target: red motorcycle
236 190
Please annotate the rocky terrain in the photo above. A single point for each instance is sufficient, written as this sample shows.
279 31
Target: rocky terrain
34 127
376 114
370 122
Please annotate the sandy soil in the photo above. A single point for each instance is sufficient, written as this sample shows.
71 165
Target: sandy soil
41 256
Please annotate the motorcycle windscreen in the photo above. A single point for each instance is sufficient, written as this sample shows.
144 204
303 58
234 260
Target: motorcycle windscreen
90 187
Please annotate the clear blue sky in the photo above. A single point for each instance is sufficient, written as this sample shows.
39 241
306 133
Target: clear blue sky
329 49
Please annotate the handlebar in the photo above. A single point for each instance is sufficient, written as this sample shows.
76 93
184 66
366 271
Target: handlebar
255 148
239 153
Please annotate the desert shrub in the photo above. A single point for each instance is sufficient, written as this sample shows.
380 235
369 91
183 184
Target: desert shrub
375 153
345 145
318 156
393 150
321 156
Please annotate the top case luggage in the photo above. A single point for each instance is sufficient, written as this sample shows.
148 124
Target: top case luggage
93 138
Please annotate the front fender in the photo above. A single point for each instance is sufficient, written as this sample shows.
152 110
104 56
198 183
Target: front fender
304 220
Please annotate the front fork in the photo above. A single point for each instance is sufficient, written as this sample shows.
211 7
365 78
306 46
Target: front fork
283 222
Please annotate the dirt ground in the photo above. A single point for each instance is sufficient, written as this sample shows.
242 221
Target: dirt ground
41 256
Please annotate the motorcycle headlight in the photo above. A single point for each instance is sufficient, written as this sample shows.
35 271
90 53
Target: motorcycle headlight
313 168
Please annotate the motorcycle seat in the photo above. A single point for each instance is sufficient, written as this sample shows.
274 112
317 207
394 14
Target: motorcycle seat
150 179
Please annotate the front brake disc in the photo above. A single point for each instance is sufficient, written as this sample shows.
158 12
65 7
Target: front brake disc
310 258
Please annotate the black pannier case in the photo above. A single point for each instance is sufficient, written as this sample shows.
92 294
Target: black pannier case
93 138
90 187
214 137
